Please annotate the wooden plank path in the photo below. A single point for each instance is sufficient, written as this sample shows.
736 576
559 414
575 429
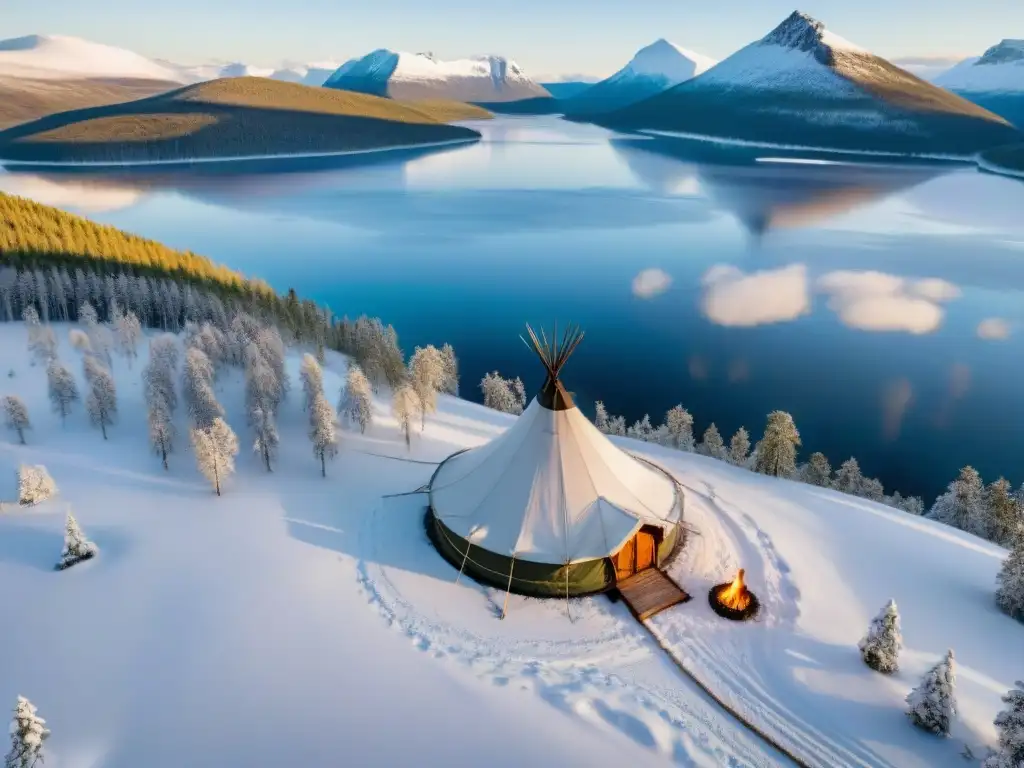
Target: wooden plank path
649 592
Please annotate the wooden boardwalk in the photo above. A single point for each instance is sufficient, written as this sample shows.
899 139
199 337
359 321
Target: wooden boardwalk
649 592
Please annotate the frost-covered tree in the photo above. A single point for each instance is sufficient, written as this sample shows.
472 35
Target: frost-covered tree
501 394
963 505
932 704
405 406
641 430
42 343
16 416
32 325
848 477
87 315
161 427
197 386
62 389
80 340
817 470
265 430
1010 725
739 447
262 384
28 733
911 504
776 453
34 484
872 489
215 448
880 647
617 426
427 377
712 445
679 424
1010 592
128 333
450 383
1003 512
356 406
321 431
76 547
601 417
312 378
101 402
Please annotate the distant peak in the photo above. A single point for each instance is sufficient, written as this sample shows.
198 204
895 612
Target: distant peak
799 31
1004 53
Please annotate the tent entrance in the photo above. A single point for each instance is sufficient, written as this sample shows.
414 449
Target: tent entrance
639 553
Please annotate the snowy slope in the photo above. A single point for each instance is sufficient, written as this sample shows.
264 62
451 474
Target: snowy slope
61 57
420 76
994 80
305 616
803 85
655 68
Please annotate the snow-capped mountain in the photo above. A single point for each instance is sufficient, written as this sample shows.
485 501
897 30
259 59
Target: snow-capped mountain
804 85
994 80
305 74
655 68
411 76
49 57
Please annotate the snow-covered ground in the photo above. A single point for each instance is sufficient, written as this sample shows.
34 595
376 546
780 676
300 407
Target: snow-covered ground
62 57
296 618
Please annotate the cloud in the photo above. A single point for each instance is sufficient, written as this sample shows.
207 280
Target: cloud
927 67
896 398
733 298
876 301
651 283
993 329
68 193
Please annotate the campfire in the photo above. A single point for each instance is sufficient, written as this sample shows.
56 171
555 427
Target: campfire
733 600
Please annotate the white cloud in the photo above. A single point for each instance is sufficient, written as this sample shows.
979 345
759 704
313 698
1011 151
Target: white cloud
993 329
74 194
651 283
876 301
733 298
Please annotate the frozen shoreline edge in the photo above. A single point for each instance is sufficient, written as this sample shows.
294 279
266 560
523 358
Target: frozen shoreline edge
986 166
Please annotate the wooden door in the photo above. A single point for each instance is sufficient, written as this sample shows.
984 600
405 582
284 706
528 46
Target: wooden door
625 561
646 550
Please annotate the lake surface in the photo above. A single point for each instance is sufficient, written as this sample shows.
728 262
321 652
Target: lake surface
882 304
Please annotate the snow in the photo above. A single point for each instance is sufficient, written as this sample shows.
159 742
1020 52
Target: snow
664 60
423 67
60 57
776 67
295 592
999 70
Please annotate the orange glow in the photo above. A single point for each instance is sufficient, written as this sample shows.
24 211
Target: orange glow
735 596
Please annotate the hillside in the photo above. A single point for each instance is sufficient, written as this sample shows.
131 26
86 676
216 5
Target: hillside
994 80
346 595
803 85
233 117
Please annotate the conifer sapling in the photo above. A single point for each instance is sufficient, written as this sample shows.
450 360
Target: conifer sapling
76 547
932 704
881 647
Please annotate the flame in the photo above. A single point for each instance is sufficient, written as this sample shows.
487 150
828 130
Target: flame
735 596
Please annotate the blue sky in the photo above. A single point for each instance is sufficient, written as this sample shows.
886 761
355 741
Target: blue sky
544 36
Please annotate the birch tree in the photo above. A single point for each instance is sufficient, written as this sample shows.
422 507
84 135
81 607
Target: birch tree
76 546
101 403
405 407
776 453
932 704
28 734
427 378
356 406
62 389
321 431
739 447
16 416
215 448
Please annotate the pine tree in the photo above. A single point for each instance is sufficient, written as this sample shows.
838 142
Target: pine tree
1010 725
76 547
1002 511
405 406
34 484
617 426
356 406
161 427
680 428
932 704
712 445
817 471
427 378
322 433
28 733
101 402
880 647
848 477
451 370
312 378
600 417
63 390
1010 593
963 505
776 453
215 448
739 447
641 430
872 488
16 416
505 395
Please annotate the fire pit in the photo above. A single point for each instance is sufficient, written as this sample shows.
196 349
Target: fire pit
733 600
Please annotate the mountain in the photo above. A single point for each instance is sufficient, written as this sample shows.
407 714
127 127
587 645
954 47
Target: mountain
803 85
419 76
566 89
655 68
289 72
48 57
994 80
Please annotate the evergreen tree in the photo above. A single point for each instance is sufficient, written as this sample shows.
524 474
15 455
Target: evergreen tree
16 416
34 484
600 417
776 453
203 407
215 448
817 471
739 447
322 433
1010 725
265 430
1010 594
427 378
62 389
641 430
712 444
872 489
1002 511
451 370
101 402
963 505
680 428
312 378
848 477
76 547
356 406
880 647
617 426
405 406
28 733
505 395
932 704
911 504
161 427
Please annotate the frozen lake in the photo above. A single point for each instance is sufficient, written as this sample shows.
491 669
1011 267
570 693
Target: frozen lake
881 304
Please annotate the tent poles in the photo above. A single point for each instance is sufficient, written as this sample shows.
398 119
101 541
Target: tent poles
567 611
504 608
464 559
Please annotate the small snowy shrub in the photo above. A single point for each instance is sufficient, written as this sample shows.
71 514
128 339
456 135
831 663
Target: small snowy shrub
932 704
34 484
1010 724
1010 594
28 732
76 547
880 648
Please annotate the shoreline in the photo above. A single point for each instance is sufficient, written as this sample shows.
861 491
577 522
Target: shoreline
986 166
236 158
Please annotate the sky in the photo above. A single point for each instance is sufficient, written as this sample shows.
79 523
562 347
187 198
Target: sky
546 37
